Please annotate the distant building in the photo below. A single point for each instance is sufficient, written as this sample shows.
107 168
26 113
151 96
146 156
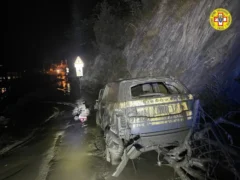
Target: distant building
60 70
6 76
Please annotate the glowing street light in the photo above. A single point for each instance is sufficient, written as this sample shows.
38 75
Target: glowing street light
79 66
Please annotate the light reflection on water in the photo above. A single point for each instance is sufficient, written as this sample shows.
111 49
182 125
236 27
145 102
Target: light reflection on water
64 85
68 88
3 90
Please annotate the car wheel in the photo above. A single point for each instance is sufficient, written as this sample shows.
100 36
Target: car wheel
111 157
111 154
107 155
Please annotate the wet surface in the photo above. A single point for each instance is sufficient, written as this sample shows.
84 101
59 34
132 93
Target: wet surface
67 150
80 156
63 149
25 162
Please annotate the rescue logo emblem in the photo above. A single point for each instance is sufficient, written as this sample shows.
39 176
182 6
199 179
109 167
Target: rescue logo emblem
220 19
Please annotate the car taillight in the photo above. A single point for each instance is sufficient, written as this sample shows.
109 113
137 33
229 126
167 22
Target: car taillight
122 121
119 114
132 112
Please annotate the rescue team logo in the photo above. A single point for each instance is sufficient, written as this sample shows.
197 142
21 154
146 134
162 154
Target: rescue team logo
220 19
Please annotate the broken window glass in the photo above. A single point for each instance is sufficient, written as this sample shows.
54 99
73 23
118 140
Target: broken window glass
151 88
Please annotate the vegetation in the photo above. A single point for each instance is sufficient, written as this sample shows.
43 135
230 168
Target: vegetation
217 100
115 24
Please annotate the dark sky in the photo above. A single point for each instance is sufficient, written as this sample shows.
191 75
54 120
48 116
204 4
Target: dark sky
35 31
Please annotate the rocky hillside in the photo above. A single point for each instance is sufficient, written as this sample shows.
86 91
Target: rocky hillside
177 40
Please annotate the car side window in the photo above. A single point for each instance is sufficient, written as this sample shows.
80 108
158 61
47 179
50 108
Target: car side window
105 93
175 88
112 94
149 88
100 94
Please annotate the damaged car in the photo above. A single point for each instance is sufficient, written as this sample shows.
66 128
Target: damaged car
143 114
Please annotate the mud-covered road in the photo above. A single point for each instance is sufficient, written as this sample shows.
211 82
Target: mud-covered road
66 150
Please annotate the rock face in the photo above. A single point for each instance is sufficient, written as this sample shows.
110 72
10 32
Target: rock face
95 75
179 41
93 72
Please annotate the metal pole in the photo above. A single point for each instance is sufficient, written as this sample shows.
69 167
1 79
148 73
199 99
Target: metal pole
80 83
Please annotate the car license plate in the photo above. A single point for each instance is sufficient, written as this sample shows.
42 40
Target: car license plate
160 110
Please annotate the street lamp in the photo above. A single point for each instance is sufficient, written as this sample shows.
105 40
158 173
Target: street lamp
79 68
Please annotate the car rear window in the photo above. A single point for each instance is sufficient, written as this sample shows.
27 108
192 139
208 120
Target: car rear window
154 88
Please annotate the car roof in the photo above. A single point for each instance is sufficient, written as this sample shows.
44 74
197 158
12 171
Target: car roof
165 78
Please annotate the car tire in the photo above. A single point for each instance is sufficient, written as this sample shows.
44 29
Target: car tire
110 154
110 158
107 155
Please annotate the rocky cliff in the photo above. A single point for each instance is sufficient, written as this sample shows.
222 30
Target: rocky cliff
178 40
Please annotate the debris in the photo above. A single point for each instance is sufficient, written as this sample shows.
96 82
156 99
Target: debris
81 112
207 153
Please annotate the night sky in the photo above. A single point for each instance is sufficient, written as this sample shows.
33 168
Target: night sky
35 31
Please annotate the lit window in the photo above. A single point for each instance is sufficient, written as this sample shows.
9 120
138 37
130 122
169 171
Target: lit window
9 77
3 90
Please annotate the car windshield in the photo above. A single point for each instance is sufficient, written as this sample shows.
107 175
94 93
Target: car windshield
154 89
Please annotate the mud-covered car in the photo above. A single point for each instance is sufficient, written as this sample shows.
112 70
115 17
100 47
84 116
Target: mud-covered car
138 115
